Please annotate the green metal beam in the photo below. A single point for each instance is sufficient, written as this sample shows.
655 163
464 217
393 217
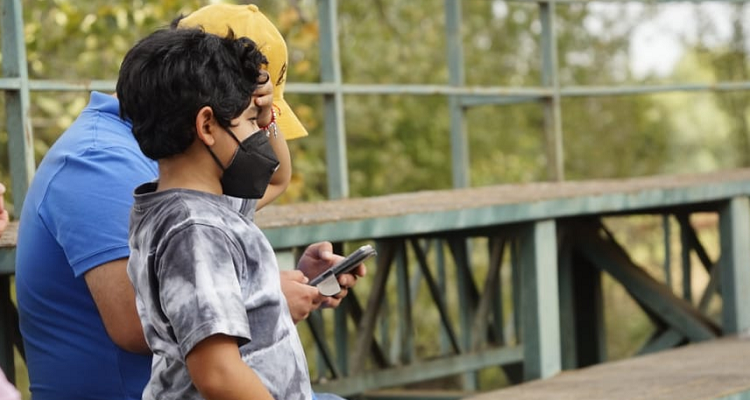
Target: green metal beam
581 309
404 350
675 311
497 246
20 135
7 260
7 362
468 298
734 228
423 370
552 113
662 341
438 298
357 314
315 323
469 95
541 318
693 242
458 132
667 231
307 230
366 327
330 72
480 324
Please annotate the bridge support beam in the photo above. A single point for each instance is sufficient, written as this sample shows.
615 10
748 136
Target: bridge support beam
734 228
540 302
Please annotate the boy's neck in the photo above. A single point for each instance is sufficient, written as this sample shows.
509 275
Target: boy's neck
194 169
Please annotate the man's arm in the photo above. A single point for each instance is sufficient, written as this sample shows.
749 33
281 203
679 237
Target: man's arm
218 372
283 175
263 98
115 299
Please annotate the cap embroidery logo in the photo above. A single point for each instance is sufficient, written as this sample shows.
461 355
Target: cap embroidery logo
282 75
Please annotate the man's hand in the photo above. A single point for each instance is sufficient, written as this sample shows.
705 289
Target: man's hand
317 258
4 217
301 297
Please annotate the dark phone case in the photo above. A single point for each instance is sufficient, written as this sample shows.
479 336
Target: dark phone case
347 264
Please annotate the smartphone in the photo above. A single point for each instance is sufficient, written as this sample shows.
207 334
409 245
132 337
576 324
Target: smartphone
345 265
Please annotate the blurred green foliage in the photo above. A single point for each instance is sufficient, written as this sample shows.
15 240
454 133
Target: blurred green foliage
402 143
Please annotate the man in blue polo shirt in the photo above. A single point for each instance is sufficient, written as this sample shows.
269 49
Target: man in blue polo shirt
81 332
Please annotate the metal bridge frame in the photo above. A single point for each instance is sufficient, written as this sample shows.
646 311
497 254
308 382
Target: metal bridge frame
558 246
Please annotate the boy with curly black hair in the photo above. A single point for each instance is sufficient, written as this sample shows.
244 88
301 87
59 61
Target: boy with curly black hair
206 279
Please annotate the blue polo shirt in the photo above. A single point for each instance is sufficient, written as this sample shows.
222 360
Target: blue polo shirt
75 218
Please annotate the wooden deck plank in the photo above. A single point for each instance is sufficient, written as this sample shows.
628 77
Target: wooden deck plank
707 370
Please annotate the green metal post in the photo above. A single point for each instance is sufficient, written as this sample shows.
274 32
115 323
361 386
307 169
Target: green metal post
552 114
330 71
687 270
566 293
7 362
459 142
541 306
734 228
445 345
466 301
515 265
341 335
404 349
667 230
20 136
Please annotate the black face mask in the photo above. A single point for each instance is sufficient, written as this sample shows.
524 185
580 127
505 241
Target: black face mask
251 168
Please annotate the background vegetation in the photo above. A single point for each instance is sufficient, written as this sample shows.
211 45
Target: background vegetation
402 144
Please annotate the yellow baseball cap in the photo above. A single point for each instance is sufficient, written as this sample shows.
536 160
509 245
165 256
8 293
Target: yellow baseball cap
246 20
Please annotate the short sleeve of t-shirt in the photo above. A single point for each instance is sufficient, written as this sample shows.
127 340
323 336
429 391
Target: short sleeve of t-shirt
199 288
87 205
246 207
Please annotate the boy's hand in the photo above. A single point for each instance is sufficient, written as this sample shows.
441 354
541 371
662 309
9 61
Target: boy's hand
263 97
301 297
317 258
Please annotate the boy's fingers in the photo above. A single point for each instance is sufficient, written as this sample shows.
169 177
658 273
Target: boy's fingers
294 275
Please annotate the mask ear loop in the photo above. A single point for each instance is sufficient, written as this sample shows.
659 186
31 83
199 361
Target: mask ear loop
216 158
234 137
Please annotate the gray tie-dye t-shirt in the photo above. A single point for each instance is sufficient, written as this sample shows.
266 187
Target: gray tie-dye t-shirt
201 267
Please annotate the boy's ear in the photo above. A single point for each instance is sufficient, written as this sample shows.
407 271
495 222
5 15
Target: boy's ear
205 124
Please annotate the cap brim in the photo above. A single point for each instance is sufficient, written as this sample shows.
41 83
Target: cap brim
287 122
